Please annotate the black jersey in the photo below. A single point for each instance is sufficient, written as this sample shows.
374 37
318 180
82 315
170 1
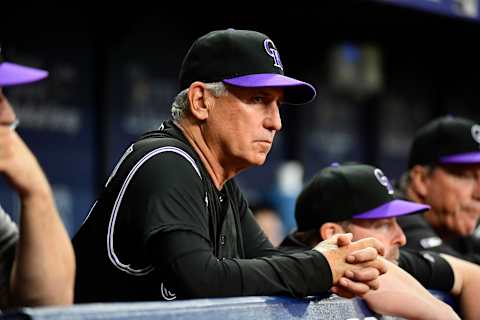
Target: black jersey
161 230
421 236
428 268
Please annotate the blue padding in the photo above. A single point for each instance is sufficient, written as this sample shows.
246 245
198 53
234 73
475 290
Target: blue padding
260 308
221 308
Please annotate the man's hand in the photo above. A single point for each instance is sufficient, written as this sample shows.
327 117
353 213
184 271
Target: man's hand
20 166
355 265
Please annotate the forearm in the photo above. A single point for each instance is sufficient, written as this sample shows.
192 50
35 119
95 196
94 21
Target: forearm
401 295
469 301
466 286
44 266
200 274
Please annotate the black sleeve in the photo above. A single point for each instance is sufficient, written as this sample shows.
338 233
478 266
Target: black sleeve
429 268
197 273
420 236
171 211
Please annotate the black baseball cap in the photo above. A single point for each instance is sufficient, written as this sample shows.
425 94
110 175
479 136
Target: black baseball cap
446 140
343 192
12 74
241 58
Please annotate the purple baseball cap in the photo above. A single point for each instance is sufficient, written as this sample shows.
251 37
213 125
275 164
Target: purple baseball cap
241 58
343 192
12 74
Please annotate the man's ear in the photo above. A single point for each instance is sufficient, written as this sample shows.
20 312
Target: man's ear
328 229
419 180
197 96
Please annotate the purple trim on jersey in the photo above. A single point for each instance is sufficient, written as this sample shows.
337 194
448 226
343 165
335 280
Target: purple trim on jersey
461 158
13 74
307 91
393 209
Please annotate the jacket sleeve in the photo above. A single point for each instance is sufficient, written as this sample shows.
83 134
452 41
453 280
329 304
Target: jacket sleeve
188 259
428 268
169 205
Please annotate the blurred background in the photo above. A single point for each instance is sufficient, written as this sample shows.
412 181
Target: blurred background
382 69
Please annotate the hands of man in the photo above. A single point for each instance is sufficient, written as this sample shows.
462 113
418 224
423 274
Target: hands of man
355 265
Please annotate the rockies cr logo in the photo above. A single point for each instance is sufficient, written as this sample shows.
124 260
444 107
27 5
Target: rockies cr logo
476 133
273 52
383 180
167 294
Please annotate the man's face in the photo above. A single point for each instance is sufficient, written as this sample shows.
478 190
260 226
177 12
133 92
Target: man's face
7 115
385 230
453 192
242 124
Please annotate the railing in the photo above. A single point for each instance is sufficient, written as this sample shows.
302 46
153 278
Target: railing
260 308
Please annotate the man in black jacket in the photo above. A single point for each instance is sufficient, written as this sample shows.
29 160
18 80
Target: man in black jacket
172 223
444 173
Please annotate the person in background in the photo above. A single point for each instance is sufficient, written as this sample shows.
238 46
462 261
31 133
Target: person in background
359 199
37 264
444 173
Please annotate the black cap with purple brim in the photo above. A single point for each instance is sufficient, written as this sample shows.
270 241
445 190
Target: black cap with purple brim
354 191
241 58
446 140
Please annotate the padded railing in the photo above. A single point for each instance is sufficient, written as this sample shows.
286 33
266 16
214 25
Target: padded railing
261 308
332 307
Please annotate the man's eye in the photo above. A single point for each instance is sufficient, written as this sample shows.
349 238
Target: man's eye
383 226
259 99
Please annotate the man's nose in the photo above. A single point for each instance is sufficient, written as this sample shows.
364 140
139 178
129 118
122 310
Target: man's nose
398 236
273 120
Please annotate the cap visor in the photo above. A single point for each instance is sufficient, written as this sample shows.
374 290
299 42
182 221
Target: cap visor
296 92
462 158
393 209
13 74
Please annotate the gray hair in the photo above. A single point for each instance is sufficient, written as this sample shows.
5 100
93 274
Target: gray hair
180 105
406 179
404 183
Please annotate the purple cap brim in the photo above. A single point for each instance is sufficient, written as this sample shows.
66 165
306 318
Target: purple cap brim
12 74
296 91
393 208
462 158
